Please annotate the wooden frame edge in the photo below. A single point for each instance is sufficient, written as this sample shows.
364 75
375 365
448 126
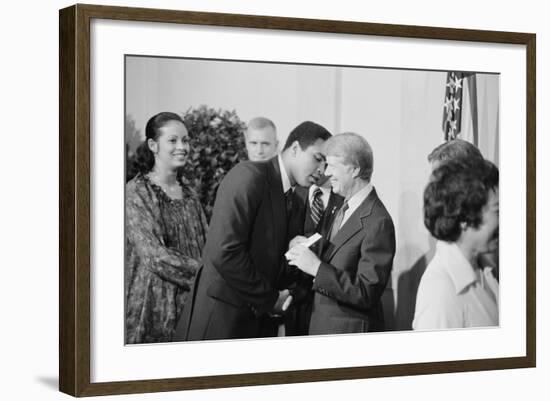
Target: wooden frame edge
531 199
309 376
301 24
67 132
74 195
74 199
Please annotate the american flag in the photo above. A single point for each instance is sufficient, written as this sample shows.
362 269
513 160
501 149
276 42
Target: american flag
452 107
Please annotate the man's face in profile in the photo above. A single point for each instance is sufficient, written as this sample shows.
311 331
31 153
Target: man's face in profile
307 162
261 143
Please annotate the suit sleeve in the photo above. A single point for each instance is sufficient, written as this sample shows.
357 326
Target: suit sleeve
365 288
237 204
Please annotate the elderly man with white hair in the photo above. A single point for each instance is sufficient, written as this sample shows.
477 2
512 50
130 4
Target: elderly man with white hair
357 257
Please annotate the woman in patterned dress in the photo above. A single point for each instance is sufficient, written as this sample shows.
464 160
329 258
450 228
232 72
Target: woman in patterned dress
165 234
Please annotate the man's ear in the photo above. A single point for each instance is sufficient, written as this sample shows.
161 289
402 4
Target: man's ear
294 148
355 172
153 145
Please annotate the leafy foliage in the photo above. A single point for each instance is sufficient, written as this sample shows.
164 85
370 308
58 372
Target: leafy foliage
217 144
133 140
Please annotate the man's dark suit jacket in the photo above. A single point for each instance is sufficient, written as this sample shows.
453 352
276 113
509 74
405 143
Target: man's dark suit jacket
297 318
354 271
243 255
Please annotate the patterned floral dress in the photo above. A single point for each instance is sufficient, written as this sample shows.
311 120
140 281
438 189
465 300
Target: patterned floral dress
164 240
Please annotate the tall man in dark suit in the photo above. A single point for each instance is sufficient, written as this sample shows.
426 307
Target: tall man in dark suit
243 258
353 270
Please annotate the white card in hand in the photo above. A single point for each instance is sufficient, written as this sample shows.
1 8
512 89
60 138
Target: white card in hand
309 241
287 303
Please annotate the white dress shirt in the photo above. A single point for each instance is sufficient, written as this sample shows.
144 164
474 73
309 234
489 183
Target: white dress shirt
454 294
355 201
284 175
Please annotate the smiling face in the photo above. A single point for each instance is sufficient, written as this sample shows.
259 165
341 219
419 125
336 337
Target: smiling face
485 237
261 143
341 175
172 146
307 163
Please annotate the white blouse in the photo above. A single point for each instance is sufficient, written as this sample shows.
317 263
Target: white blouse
453 294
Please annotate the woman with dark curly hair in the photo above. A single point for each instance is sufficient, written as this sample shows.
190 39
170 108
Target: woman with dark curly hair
461 211
165 233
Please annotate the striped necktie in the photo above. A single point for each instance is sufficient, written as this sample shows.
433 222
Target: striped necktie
338 220
317 206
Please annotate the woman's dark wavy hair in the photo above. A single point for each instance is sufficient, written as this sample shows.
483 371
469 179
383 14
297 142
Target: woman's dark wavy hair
145 159
457 192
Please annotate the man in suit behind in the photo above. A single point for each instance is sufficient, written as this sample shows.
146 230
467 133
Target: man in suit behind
354 268
260 139
243 263
321 206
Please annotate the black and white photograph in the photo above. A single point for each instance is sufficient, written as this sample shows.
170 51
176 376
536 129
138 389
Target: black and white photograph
275 200
270 199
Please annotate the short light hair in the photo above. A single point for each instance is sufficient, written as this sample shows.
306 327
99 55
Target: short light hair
355 150
261 123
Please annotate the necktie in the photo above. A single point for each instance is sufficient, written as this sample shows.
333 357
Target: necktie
317 206
338 220
288 201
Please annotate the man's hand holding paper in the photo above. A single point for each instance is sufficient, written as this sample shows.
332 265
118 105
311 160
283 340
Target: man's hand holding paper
302 257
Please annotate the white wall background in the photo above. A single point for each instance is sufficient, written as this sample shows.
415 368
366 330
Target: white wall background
28 205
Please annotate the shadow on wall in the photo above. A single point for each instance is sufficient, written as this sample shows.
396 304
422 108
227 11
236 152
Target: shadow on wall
407 288
415 250
388 306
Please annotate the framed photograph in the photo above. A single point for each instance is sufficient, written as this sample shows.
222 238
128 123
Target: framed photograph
136 249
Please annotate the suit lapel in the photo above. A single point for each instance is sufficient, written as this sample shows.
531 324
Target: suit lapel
297 217
353 225
278 204
334 203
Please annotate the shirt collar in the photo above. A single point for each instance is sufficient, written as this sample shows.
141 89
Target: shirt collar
313 187
462 273
359 197
284 175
